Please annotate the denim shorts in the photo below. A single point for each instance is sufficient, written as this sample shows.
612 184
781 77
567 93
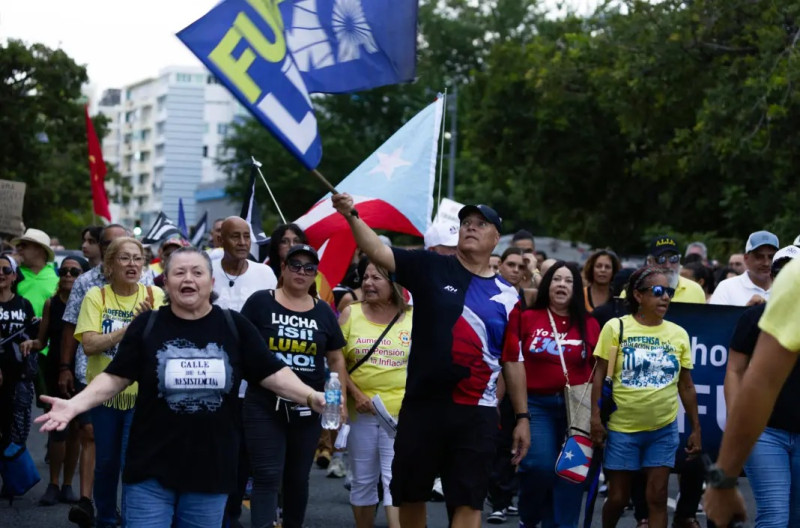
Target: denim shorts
634 451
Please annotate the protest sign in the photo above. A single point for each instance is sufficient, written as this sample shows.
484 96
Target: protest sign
710 328
12 195
447 213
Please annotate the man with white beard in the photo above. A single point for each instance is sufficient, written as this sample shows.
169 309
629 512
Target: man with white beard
664 253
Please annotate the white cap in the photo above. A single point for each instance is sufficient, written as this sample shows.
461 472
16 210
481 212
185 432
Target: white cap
441 234
787 252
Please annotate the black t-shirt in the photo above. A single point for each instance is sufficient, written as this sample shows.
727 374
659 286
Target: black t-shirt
458 329
786 414
300 339
616 307
15 315
184 431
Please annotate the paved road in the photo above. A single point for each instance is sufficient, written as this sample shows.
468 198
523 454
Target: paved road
328 507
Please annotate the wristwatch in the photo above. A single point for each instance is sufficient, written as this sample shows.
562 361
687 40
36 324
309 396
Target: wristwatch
520 416
717 479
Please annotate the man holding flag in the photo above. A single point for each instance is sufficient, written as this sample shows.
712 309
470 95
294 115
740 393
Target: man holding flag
449 417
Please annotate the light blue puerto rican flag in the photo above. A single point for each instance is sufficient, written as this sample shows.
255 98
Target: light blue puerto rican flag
575 459
392 190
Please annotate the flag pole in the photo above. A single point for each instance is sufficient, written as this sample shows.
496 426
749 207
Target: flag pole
257 165
324 181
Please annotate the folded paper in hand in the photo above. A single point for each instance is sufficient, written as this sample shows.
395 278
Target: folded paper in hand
384 418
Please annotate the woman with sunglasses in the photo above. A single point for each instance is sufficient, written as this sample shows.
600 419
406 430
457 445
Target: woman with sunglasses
556 326
18 360
104 318
281 436
62 446
283 238
653 368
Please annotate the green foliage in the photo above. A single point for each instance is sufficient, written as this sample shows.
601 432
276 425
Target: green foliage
641 118
43 137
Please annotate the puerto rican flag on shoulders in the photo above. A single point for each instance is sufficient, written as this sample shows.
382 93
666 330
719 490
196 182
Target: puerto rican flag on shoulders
575 459
392 190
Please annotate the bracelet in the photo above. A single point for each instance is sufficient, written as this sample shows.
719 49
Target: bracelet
64 368
310 399
67 365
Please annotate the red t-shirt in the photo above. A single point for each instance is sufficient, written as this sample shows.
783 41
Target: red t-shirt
542 365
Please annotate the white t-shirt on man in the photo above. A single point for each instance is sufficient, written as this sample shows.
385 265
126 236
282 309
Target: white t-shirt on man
737 291
256 277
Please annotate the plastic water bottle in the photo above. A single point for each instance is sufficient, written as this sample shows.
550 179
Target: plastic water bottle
333 402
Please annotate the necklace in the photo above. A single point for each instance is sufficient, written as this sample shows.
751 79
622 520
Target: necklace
135 301
231 281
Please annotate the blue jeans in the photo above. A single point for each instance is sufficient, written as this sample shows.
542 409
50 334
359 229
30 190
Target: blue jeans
111 430
544 497
774 472
150 505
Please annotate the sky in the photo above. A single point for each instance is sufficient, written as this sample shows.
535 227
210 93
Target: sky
119 42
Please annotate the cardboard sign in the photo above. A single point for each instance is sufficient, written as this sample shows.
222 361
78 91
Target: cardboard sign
12 194
448 212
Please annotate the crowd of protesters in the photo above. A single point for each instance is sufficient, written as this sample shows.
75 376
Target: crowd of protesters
146 366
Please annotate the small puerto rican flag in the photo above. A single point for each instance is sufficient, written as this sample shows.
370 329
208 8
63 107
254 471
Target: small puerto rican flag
575 458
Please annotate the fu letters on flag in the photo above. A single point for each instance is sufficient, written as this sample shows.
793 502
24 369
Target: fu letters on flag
272 53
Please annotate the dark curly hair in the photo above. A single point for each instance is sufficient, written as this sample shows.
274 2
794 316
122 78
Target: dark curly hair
577 306
275 245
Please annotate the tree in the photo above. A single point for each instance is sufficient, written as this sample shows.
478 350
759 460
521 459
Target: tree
43 137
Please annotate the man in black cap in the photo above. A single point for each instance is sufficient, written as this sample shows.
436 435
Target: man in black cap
664 253
448 420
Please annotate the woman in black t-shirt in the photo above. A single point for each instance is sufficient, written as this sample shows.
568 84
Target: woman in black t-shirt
187 358
18 363
281 437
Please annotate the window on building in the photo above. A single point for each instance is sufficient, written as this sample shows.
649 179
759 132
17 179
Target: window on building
205 151
142 178
183 78
222 129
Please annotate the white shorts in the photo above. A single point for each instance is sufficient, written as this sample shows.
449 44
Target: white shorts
371 452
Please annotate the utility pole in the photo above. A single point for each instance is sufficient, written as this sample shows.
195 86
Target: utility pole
451 166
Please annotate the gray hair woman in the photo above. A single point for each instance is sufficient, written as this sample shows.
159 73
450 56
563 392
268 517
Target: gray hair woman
189 358
378 335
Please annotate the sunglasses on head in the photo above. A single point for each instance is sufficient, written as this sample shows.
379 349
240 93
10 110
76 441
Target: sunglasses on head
298 267
63 272
673 259
7 270
659 291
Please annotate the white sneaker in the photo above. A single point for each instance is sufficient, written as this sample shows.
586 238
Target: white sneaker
437 492
496 517
512 511
336 468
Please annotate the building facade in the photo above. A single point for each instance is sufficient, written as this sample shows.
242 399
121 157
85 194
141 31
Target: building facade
169 133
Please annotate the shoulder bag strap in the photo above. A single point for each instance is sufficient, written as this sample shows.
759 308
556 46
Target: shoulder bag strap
231 325
376 343
558 345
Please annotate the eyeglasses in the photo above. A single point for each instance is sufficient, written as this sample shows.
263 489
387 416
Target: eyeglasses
7 270
297 267
127 259
63 272
659 291
674 259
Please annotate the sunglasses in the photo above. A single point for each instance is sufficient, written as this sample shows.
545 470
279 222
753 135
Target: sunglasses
63 272
674 259
659 291
305 269
7 270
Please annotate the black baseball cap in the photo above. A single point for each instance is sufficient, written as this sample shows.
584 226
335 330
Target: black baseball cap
663 244
303 248
485 211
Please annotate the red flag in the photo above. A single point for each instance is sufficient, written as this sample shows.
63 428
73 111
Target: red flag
97 169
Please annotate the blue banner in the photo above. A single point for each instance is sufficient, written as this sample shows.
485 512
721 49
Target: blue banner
710 328
272 53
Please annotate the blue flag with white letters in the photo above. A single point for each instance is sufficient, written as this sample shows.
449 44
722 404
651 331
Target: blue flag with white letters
271 54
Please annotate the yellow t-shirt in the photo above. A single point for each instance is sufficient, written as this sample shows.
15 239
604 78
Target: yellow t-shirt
385 371
688 291
105 317
781 318
646 374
